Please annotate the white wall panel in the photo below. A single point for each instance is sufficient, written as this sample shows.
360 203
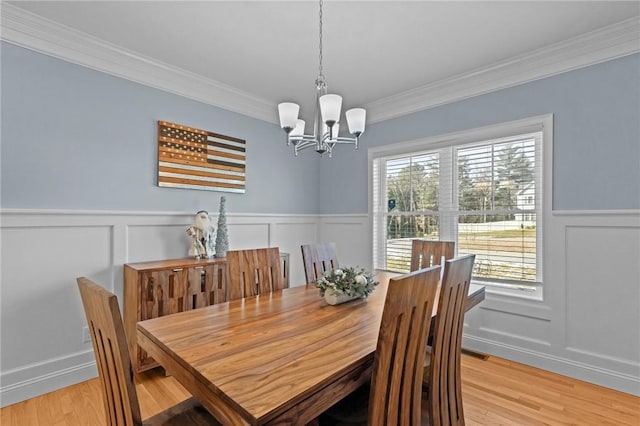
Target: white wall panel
151 242
41 313
289 237
509 328
248 235
603 291
352 235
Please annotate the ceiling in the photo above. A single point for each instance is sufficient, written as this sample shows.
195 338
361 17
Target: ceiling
372 49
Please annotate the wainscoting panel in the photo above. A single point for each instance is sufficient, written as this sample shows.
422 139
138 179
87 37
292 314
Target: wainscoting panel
289 237
150 242
44 251
248 235
39 270
352 235
603 300
41 313
509 328
586 326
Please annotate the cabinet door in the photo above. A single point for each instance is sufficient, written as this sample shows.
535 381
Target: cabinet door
206 285
161 293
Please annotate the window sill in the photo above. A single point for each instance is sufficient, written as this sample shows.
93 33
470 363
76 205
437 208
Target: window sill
518 302
518 293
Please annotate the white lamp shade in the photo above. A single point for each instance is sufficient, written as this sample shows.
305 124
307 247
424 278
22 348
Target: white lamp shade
299 129
330 106
334 131
288 112
355 119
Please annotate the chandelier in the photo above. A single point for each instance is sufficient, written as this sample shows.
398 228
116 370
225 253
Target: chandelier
326 124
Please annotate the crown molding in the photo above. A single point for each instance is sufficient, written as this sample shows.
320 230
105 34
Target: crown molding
33 32
610 42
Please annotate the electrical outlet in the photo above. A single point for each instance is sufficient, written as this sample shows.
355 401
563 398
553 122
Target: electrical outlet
86 337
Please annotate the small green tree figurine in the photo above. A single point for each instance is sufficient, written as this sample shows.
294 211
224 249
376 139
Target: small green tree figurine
222 238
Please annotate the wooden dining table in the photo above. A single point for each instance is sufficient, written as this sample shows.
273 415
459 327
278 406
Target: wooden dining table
274 359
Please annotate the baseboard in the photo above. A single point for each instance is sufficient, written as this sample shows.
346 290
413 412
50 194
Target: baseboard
34 383
564 366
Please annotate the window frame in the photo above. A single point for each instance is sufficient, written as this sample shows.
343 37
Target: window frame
544 150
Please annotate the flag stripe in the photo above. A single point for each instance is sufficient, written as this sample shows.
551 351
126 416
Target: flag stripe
226 155
197 159
226 142
226 146
206 188
201 182
201 179
234 168
225 138
225 163
181 166
186 172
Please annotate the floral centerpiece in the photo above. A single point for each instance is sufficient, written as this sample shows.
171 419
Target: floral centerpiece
343 284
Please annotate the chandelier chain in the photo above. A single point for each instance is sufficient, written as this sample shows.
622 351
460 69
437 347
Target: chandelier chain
320 45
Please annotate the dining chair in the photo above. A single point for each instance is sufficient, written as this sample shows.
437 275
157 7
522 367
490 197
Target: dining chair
318 259
116 371
253 272
441 377
427 253
394 394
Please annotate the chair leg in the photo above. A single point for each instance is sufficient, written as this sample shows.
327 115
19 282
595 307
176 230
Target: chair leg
475 354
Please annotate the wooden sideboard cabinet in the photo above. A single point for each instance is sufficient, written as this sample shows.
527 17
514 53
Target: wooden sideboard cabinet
163 287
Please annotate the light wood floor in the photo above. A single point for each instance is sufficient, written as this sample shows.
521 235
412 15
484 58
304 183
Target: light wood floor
496 392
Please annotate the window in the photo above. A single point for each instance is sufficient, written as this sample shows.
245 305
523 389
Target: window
480 188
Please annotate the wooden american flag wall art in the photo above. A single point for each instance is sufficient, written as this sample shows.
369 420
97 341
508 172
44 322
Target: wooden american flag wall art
197 159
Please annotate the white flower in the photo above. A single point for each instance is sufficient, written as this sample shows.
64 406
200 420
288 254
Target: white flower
338 272
359 279
331 285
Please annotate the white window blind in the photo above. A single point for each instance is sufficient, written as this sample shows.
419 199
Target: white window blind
483 194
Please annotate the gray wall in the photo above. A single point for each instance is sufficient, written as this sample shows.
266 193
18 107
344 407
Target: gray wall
596 137
75 138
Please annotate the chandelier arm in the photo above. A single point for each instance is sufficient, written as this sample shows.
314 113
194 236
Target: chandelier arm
303 138
303 145
344 140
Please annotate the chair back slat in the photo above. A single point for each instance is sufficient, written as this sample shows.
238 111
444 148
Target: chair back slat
112 356
253 272
427 253
317 259
445 395
396 383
